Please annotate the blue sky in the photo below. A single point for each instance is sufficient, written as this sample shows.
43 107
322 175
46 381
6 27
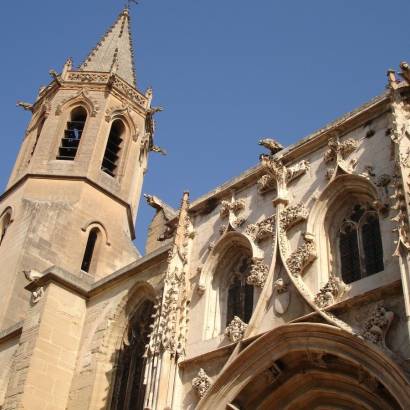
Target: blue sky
227 73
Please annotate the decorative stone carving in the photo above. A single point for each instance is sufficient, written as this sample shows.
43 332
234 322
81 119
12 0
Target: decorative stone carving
338 152
231 209
266 183
282 174
271 374
169 330
258 274
234 206
282 296
331 292
211 246
299 260
293 215
129 91
201 383
235 330
222 229
37 295
239 221
88 77
377 325
82 95
280 286
344 149
261 230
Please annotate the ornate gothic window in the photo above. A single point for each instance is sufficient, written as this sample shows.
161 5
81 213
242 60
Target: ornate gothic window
360 244
5 222
113 148
90 250
72 134
129 388
240 294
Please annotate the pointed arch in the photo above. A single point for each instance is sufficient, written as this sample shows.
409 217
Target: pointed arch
114 148
80 99
224 282
123 113
73 132
326 217
96 224
311 360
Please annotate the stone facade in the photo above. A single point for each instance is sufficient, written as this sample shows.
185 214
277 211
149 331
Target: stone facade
314 323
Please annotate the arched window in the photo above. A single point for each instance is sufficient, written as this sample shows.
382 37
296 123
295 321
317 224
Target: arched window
72 134
113 148
129 388
4 224
360 244
89 258
240 294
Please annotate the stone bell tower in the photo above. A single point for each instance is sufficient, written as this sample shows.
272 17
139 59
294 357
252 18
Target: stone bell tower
72 198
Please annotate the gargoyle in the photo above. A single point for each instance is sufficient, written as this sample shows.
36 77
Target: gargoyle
55 76
272 145
32 275
25 106
156 148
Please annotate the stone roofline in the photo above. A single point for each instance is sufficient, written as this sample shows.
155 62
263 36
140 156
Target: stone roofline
341 126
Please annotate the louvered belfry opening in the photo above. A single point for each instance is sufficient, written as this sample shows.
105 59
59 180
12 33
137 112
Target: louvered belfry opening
72 134
113 148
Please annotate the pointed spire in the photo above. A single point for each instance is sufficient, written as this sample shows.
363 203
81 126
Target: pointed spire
114 52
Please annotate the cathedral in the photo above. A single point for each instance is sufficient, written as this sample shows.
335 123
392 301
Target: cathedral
287 287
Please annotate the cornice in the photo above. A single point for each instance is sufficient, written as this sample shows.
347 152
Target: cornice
86 180
341 126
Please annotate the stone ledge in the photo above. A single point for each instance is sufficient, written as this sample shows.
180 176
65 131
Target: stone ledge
62 277
129 270
11 331
84 286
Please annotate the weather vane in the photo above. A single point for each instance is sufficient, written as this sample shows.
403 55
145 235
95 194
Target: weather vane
130 2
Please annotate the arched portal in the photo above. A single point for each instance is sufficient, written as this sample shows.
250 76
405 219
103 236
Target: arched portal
309 366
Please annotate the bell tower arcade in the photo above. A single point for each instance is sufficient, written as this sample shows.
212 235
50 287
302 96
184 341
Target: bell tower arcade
72 198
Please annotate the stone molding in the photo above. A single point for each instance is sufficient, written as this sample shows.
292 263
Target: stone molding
377 325
331 292
258 274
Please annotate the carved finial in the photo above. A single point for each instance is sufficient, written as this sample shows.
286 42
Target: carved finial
68 66
149 94
391 77
26 106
